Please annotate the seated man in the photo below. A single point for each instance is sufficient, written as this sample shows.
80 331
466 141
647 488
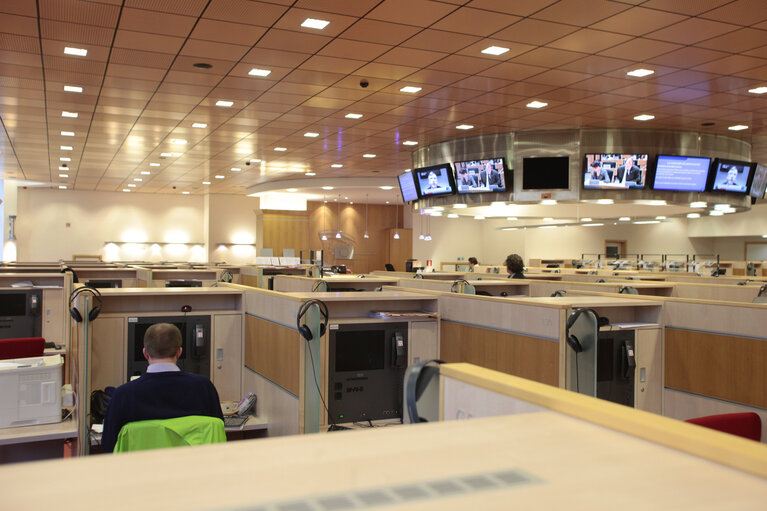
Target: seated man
163 392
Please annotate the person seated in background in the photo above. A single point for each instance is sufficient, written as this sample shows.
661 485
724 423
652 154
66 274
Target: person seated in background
489 178
596 173
465 181
472 263
628 173
515 266
163 392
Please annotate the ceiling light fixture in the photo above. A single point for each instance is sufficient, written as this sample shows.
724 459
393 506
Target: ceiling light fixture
660 217
386 187
593 225
698 204
336 165
80 52
693 215
63 167
409 142
536 104
154 164
315 23
219 176
67 133
72 88
236 169
199 125
62 187
64 158
291 190
311 134
310 174
206 182
495 50
131 185
66 148
259 72
738 127
640 73
281 149
178 141
464 127
327 187
452 215
170 155
224 103
585 219
410 89
644 117
624 219
137 179
185 193
72 115
353 116
758 90
368 155
64 175
459 206
145 173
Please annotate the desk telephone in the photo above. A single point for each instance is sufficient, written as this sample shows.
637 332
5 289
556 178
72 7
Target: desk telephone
242 412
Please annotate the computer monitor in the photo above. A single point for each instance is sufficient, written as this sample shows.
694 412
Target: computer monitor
478 176
195 341
20 313
183 283
615 171
435 180
104 283
367 367
546 173
731 176
681 173
407 186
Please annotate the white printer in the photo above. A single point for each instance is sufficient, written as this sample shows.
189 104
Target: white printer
30 391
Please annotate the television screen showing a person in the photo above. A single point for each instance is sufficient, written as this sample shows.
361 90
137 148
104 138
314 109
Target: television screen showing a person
433 181
628 174
731 178
466 181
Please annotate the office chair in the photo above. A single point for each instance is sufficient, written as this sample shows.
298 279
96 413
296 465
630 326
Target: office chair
21 347
389 267
746 425
177 432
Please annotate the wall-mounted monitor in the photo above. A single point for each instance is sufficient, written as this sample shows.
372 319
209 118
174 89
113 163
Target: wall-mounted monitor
478 176
407 187
546 173
759 183
435 180
731 176
615 171
681 173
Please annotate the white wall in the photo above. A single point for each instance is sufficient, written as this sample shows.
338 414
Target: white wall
232 219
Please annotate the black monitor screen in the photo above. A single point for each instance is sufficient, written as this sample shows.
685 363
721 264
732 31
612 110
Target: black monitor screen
730 176
138 339
13 304
104 283
681 173
477 176
546 173
407 187
183 283
360 350
435 180
759 183
615 171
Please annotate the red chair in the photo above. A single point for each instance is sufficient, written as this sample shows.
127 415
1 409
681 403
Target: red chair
747 425
22 347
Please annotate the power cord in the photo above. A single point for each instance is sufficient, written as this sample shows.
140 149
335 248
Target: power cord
333 425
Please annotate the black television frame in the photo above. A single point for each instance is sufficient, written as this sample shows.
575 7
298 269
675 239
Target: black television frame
655 172
447 167
647 176
560 158
714 170
507 177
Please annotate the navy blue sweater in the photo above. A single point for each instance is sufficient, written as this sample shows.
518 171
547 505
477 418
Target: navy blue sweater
163 395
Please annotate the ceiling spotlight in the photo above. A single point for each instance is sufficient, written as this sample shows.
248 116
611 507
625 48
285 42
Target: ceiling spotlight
464 127
738 127
145 173
640 73
235 169
536 104
758 90
314 23
281 149
409 142
259 72
353 116
311 134
185 193
221 102
336 165
72 115
495 50
154 164
219 176
410 90
72 88
80 52
66 148
67 133
368 155
64 158
644 117
64 175
199 125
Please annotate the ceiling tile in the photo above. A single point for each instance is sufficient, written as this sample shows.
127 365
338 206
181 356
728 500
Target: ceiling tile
434 40
421 13
474 22
693 30
154 22
519 8
381 32
580 12
535 32
689 8
589 41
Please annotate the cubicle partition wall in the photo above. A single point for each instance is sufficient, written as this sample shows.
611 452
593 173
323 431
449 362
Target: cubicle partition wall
261 276
361 282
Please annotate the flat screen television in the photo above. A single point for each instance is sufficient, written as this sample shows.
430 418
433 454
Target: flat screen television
615 171
435 180
407 187
478 176
546 173
759 183
681 173
731 176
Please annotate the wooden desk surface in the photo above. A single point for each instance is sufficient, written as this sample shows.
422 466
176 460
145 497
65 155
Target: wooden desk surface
39 433
356 296
539 460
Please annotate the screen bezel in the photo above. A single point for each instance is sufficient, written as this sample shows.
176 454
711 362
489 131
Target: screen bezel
562 156
655 172
415 186
714 170
450 178
751 187
504 172
585 170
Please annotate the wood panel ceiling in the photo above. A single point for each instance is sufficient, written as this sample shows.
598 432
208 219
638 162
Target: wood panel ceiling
142 94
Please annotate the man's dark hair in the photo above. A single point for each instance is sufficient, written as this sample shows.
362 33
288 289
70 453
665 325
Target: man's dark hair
162 340
473 260
515 264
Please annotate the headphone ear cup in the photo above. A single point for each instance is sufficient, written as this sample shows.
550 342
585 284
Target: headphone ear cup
76 315
575 344
322 329
305 332
94 313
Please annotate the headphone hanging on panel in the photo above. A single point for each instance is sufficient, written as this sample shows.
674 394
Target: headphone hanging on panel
66 269
95 310
454 286
304 330
572 340
225 276
418 378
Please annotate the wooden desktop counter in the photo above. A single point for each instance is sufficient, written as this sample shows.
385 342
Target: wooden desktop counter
565 452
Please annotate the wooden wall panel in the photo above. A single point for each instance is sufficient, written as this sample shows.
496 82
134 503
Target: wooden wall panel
720 366
273 351
528 357
285 229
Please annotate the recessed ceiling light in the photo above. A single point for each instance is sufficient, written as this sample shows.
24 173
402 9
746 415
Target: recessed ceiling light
126 190
716 213
593 225
586 219
185 193
221 102
605 201
219 176
131 185
199 125
66 148
310 174
336 165
178 141
170 155
64 158
738 127
138 179
495 50
693 215
464 127
409 142
67 133
758 90
72 88
259 72
353 116
452 215
644 117
280 148
314 23
410 89
206 182
386 187
698 204
624 219
536 104
292 189
639 73
64 168
64 175
311 134
62 187
548 202
459 206
72 115
80 52
235 169
327 187
645 222
368 155
660 217
255 161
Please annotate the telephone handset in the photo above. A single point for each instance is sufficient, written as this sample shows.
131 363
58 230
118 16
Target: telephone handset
399 351
629 359
199 341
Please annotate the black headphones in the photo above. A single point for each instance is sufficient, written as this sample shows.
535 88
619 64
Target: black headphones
418 378
762 290
559 292
66 269
417 276
94 312
572 340
628 290
226 276
304 330
454 287
317 285
599 281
